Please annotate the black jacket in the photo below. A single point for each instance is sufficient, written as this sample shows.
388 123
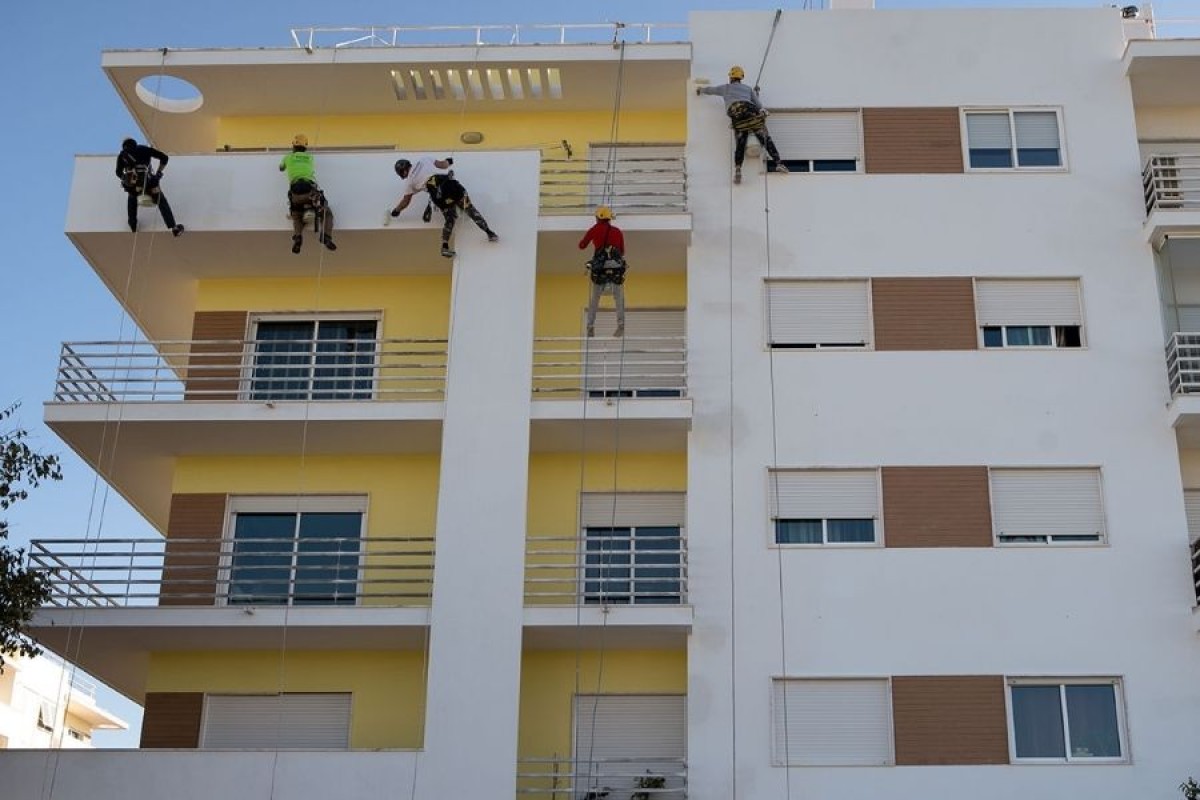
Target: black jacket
139 156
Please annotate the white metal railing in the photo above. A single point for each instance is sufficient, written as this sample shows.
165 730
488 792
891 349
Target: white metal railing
575 570
1196 569
629 185
1171 182
314 37
251 370
630 366
555 778
378 571
1183 363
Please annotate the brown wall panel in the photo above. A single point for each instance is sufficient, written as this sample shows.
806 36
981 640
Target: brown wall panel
912 141
216 367
924 313
950 719
936 507
190 568
172 719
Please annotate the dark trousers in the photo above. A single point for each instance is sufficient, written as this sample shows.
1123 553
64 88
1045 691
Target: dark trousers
450 215
741 137
160 200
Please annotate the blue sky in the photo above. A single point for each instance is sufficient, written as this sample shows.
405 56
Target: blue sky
60 103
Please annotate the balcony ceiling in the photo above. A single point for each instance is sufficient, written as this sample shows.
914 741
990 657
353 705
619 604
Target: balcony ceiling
1164 72
292 81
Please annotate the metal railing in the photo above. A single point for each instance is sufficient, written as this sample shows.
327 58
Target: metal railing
1171 182
1183 363
251 370
377 571
643 569
1196 569
314 37
629 185
555 778
605 366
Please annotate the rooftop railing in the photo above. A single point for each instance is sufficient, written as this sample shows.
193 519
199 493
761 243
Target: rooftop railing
314 37
616 568
629 184
336 571
254 370
556 778
1171 182
605 366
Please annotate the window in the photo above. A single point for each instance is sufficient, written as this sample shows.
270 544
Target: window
276 721
1066 720
650 360
313 359
811 315
1029 313
78 735
1013 139
619 737
633 548
1047 506
831 723
627 177
818 141
824 507
295 552
47 715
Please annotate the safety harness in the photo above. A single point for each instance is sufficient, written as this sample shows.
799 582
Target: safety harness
607 265
746 116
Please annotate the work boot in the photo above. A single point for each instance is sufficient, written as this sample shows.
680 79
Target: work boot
328 242
493 236
781 167
178 229
297 240
737 174
619 332
446 251
591 332
133 225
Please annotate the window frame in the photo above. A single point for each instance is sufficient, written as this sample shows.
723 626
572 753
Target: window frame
769 346
860 157
1061 683
1101 541
1024 348
296 505
772 520
889 712
249 352
965 111
603 597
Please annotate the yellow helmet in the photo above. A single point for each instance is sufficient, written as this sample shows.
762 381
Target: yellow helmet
736 73
604 212
299 140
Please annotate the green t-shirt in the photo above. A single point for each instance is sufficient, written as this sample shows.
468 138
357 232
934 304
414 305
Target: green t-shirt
299 165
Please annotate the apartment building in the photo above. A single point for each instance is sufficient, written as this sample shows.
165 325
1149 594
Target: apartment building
46 704
884 492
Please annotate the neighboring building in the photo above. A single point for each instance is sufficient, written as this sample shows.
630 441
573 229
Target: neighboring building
882 495
45 704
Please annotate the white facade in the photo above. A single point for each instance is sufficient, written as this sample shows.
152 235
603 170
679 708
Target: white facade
44 705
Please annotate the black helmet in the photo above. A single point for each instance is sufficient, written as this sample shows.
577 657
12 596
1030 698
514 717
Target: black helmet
402 165
129 143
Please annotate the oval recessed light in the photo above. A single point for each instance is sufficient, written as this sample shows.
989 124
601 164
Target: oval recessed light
471 137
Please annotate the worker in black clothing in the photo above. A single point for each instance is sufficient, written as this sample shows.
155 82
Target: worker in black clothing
137 179
446 193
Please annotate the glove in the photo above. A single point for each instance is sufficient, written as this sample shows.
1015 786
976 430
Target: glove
427 214
450 160
158 174
698 90
395 213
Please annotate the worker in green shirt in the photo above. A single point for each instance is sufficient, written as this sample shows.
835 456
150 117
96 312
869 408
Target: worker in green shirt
306 201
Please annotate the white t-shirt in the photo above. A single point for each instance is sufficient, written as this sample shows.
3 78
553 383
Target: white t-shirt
422 168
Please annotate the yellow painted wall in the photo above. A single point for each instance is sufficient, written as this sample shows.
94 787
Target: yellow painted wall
419 132
554 483
548 689
413 306
388 687
562 299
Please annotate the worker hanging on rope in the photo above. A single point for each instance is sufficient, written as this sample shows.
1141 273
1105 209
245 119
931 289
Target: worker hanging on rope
445 192
142 184
306 201
746 116
606 268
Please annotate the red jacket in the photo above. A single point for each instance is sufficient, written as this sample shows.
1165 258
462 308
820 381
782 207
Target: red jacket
604 234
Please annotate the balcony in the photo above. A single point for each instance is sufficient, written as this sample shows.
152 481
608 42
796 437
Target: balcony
1164 72
181 594
1171 188
589 392
242 396
554 778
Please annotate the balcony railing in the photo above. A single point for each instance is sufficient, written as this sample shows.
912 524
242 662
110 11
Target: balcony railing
378 571
1196 569
628 184
602 779
632 366
480 35
1183 363
1171 182
251 370
648 567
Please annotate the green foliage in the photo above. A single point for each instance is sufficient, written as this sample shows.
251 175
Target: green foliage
1190 789
648 781
22 590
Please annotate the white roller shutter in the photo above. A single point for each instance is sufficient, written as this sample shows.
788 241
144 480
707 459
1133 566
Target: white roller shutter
1028 302
276 722
989 131
817 135
1191 504
620 737
824 494
1036 129
831 723
1189 318
1047 502
819 312
632 509
636 177
652 354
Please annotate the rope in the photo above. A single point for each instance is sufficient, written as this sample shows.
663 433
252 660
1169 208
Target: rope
770 40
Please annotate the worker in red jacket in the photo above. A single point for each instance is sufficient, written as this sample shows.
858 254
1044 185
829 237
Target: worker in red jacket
606 268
